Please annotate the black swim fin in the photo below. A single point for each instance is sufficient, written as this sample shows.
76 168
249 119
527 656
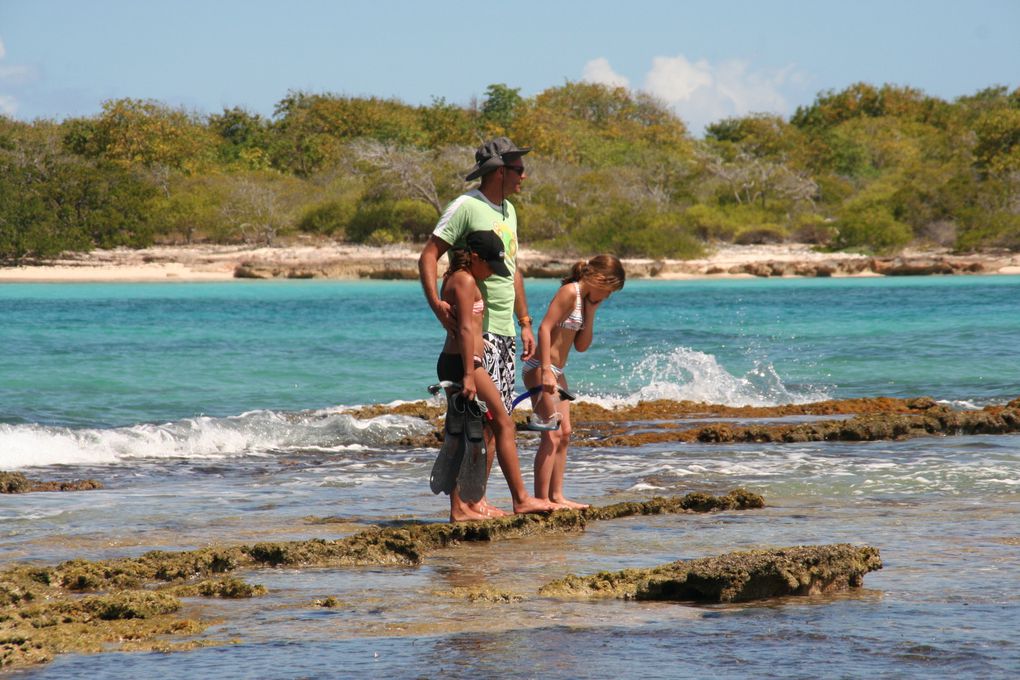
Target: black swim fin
448 461
474 472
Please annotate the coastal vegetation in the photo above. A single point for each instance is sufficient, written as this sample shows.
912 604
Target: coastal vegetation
868 168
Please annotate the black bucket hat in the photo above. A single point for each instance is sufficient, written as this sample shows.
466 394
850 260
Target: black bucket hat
491 155
489 246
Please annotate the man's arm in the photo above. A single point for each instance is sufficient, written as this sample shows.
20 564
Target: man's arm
521 310
428 265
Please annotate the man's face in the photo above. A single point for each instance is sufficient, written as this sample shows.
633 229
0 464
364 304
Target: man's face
513 174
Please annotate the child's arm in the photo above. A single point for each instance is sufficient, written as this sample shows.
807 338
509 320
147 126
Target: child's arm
582 341
559 309
463 299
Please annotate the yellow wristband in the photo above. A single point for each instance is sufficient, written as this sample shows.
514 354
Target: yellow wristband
524 320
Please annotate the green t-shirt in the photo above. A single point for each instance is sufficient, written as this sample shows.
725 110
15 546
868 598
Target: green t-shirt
473 212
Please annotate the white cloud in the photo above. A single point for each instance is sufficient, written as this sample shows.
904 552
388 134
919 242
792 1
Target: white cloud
599 71
674 79
701 92
3 50
8 105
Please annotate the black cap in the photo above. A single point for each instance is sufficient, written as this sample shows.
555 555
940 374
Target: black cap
489 246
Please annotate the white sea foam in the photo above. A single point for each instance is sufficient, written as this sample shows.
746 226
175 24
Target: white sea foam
687 374
252 433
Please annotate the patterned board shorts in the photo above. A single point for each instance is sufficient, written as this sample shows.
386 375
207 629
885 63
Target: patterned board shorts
500 351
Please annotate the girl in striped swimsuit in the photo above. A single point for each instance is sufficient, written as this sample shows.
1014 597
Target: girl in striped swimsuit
569 322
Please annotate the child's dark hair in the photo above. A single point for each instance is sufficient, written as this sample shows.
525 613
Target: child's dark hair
602 270
460 258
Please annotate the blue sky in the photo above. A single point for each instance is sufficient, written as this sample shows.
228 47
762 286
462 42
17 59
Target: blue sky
707 60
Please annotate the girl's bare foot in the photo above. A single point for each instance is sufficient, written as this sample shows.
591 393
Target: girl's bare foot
464 513
482 507
492 510
572 505
531 504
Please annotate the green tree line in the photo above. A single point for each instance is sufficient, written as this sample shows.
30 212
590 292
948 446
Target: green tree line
867 168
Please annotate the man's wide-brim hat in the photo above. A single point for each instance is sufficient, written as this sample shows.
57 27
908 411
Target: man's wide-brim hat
492 155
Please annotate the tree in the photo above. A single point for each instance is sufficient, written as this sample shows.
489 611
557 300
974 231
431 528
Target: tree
407 172
56 201
255 210
147 133
446 124
998 141
598 126
761 135
244 138
500 108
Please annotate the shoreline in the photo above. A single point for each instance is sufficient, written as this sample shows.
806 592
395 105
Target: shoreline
351 262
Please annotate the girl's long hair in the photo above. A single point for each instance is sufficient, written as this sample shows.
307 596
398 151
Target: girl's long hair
460 258
601 270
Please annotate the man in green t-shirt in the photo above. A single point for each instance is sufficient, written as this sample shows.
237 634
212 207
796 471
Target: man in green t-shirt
499 164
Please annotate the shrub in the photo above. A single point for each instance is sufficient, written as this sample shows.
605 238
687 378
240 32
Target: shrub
871 228
384 237
812 228
767 233
984 228
401 220
330 218
414 218
710 223
636 232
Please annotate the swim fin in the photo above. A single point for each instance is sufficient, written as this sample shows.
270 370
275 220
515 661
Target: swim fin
474 472
448 462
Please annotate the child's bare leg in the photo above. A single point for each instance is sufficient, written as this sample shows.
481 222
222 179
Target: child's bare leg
483 506
545 460
545 456
506 447
559 459
461 511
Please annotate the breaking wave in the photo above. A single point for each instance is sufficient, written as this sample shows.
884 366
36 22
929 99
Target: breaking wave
253 433
686 374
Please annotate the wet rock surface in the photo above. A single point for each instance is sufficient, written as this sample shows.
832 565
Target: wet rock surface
662 421
85 606
734 577
15 482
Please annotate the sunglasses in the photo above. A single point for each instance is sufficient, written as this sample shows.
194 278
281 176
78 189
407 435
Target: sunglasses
519 169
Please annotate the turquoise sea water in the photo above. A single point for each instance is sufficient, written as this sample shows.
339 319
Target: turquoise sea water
111 355
216 412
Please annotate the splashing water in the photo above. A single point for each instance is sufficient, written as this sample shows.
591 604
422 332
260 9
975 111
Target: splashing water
250 433
687 374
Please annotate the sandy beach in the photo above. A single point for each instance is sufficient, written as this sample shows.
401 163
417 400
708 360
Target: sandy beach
345 261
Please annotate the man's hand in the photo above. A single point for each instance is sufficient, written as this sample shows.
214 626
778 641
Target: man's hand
446 316
528 342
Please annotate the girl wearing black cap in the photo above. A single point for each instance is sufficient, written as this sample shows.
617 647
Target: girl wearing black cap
461 362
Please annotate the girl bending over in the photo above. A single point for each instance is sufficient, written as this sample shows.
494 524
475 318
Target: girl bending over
569 322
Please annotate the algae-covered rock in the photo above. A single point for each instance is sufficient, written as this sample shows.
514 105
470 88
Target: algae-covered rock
483 594
43 611
733 577
15 482
328 602
229 587
866 419
738 499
